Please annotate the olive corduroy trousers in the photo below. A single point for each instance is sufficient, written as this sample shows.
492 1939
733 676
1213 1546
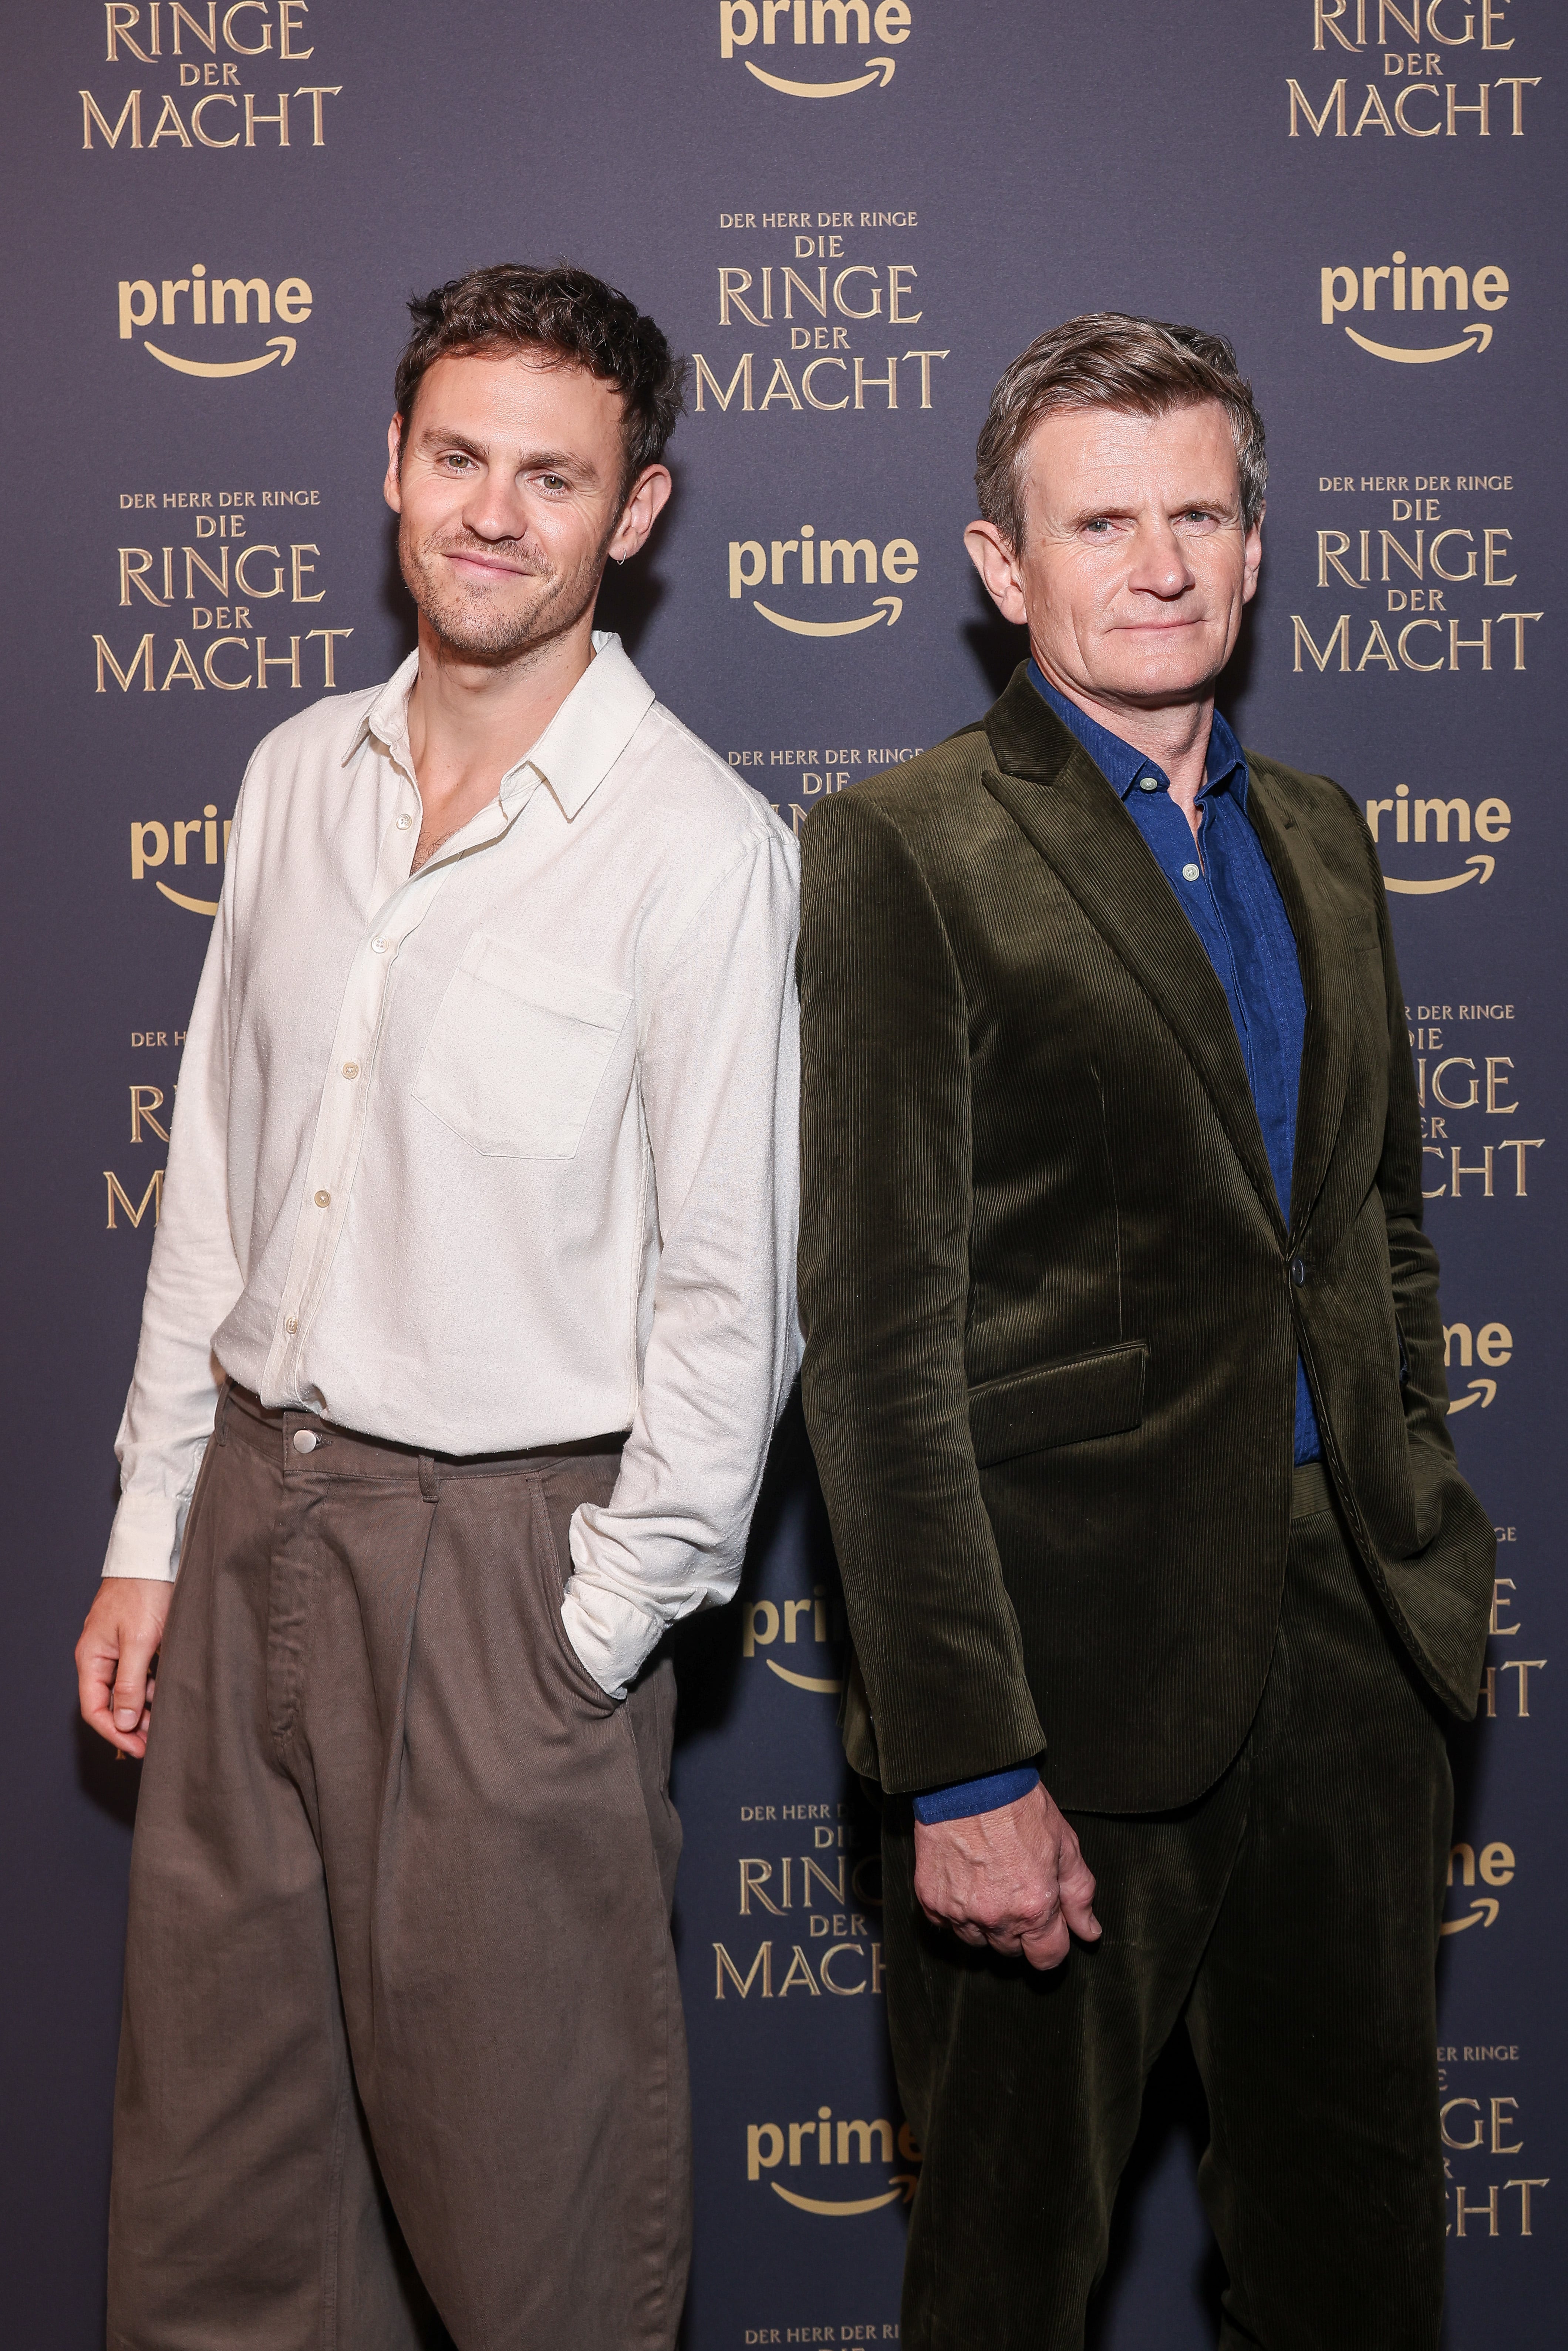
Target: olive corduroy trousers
1290 1917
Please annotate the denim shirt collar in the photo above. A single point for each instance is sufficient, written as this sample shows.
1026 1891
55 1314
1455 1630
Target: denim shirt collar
1121 765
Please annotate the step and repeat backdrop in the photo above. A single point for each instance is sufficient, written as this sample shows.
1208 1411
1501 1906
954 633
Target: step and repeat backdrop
851 213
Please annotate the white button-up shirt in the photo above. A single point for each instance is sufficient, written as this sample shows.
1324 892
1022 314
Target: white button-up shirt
499 1154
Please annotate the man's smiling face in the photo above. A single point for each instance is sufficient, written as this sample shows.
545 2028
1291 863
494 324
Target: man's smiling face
1135 563
508 493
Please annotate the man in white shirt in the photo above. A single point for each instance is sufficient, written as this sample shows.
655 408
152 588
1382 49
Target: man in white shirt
468 1322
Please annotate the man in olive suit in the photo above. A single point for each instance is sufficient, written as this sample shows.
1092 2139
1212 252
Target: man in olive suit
1124 1376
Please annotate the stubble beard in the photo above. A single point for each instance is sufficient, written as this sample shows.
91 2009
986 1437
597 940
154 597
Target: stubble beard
492 626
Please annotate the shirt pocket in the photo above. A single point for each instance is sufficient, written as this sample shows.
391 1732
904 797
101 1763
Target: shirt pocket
517 1051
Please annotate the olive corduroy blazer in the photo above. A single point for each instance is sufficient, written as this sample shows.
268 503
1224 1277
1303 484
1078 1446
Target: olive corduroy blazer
1052 1309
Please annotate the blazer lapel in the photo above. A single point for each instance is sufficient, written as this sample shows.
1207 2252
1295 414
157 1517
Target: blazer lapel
1066 810
1324 951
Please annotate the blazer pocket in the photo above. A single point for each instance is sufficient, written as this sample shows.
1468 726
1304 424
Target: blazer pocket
517 1051
1078 1396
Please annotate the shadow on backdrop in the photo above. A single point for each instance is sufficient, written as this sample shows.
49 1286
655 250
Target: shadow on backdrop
704 1648
707 1658
103 1779
1171 2139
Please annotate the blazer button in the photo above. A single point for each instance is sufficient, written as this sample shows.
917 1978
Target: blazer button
1297 1270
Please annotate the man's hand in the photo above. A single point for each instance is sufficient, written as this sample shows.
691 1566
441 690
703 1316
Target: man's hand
1013 1879
119 1642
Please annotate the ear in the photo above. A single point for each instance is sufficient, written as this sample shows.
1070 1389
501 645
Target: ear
998 565
646 501
1253 558
391 489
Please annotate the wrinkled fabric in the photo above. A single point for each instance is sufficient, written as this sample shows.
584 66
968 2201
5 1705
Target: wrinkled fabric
402 2029
500 1153
1052 1304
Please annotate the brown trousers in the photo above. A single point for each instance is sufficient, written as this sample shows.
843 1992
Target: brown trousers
403 2033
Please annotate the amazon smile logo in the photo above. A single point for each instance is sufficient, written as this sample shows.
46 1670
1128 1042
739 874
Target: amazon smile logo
1439 825
817 560
1492 1346
824 2144
815 24
1414 288
1497 1866
761 1622
204 302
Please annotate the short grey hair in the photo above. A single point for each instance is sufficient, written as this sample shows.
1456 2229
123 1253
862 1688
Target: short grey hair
1109 359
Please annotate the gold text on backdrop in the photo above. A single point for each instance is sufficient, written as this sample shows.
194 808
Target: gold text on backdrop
815 24
212 302
1411 44
1412 286
814 566
219 111
819 2143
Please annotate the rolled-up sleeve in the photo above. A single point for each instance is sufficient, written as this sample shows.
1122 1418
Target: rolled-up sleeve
719 1082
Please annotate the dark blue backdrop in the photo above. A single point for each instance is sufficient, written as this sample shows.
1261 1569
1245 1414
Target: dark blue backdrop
942 181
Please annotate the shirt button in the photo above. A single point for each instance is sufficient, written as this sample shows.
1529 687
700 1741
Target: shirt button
1148 783
351 1069
1297 1270
291 1323
305 1440
1190 873
378 946
403 823
323 1199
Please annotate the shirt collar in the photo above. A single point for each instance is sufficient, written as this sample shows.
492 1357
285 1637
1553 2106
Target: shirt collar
577 749
1121 765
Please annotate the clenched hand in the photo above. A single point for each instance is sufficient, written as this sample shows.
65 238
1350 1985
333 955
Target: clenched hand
1014 1879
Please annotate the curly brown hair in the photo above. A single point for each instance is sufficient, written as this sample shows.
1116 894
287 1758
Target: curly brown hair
572 316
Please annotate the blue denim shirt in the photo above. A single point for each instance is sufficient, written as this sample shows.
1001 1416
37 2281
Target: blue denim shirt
1224 886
